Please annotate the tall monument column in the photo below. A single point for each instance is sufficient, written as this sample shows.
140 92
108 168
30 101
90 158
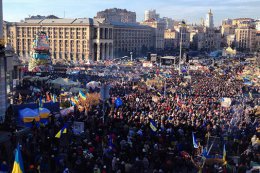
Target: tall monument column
1 20
3 98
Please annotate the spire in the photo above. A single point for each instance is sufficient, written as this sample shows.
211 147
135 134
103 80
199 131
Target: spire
210 12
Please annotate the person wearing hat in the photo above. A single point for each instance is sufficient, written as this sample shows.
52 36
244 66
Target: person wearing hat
4 167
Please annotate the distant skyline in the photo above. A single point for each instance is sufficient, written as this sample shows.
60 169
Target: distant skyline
190 10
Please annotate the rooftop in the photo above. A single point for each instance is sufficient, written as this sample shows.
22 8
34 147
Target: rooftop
133 25
59 21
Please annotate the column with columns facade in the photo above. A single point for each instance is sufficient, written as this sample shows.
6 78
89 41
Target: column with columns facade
104 42
98 51
103 51
107 51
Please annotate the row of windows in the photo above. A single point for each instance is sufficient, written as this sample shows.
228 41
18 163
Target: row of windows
50 28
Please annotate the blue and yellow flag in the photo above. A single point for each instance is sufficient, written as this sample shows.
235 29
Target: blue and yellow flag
153 125
224 154
82 95
73 101
62 131
76 99
40 102
54 98
18 161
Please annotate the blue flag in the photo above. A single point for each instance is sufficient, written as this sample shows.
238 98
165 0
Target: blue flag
153 125
118 102
194 140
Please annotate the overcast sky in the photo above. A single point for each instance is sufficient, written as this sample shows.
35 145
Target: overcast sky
190 10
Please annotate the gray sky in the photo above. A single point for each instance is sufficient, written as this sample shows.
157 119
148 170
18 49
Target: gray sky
190 10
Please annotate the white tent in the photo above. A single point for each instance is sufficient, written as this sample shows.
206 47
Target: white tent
93 84
64 82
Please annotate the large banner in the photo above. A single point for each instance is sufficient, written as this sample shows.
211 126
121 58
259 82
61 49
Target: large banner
78 127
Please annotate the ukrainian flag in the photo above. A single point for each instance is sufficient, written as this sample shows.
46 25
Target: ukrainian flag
224 154
76 99
82 95
18 162
153 125
40 102
54 98
62 131
73 101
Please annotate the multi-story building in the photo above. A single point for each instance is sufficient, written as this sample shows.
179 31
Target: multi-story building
196 38
170 39
204 38
78 40
134 38
258 41
117 15
169 22
151 14
212 39
227 22
240 21
159 28
231 40
3 98
183 36
245 38
257 25
227 30
70 39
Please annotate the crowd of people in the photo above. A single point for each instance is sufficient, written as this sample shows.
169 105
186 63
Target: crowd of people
124 141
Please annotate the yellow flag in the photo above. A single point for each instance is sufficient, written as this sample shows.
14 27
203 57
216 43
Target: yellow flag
58 134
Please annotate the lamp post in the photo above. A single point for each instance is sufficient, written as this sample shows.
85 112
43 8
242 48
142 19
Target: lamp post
180 52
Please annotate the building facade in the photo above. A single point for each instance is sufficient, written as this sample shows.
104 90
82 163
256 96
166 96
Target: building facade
3 97
183 36
83 39
245 38
170 39
196 38
133 38
257 41
240 21
151 14
212 39
70 39
159 28
117 15
257 25
169 22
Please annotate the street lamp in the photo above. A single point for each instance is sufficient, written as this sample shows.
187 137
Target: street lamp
182 25
180 52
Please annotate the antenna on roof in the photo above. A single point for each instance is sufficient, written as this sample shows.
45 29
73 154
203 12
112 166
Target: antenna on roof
64 15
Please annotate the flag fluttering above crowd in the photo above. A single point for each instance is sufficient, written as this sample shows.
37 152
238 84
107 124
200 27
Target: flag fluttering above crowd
18 161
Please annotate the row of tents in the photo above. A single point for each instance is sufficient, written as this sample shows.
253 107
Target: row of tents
65 82
40 115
